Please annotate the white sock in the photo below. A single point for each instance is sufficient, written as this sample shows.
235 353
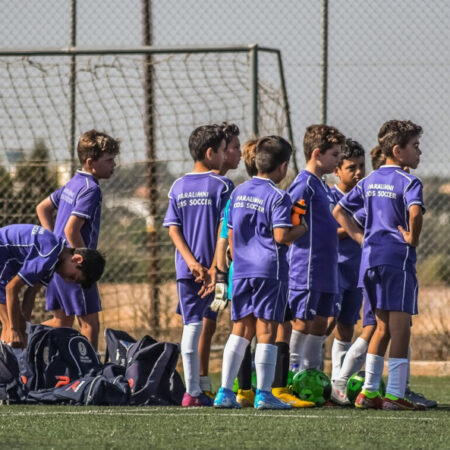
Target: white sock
374 371
205 383
338 352
398 372
265 362
353 361
408 375
191 360
312 351
296 346
233 354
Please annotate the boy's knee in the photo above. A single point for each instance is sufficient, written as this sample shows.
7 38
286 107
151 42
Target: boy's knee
90 322
209 327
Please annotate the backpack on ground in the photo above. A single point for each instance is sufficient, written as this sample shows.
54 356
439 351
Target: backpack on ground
56 356
12 389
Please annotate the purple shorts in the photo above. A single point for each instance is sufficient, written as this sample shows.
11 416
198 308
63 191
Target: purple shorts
368 314
72 298
191 306
347 305
391 289
307 304
265 298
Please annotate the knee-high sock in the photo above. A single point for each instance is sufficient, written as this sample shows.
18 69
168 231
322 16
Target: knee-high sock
338 352
245 372
233 354
265 362
374 371
353 361
398 373
296 347
313 351
282 366
191 360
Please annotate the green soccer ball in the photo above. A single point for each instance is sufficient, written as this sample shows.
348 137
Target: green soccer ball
355 384
312 385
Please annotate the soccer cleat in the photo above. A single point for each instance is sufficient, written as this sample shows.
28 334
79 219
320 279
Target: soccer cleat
365 402
266 400
285 395
339 397
400 404
246 398
210 394
201 400
226 398
419 399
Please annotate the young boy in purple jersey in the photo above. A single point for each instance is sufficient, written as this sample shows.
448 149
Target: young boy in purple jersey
78 206
196 203
29 257
313 258
260 226
393 201
347 303
231 160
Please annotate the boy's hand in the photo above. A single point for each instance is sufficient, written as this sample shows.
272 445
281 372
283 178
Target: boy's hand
298 211
208 283
17 339
198 271
407 236
220 301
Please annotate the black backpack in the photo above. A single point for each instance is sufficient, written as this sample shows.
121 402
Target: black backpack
56 356
12 389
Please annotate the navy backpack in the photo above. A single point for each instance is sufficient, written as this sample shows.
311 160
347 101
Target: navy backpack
12 389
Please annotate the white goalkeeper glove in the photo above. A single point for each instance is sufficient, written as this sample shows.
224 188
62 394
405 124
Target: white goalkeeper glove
221 300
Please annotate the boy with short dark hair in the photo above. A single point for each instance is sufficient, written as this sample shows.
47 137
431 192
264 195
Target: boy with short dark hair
313 276
78 205
350 170
196 203
29 256
260 227
388 258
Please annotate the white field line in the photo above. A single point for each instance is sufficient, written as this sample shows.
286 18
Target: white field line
194 414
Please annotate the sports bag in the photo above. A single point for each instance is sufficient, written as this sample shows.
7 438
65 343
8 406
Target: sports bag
12 389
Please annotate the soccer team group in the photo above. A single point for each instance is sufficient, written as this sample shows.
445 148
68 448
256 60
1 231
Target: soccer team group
295 265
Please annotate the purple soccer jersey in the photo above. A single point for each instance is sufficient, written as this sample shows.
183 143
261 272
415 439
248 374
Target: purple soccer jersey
81 197
196 204
313 257
256 208
386 196
29 251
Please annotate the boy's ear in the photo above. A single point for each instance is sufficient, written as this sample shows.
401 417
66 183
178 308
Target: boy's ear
315 153
77 258
336 171
88 163
396 151
208 153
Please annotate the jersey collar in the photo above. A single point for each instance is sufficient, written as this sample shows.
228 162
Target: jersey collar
87 174
264 179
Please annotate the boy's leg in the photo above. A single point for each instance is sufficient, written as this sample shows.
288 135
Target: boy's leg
282 342
190 357
60 319
5 322
90 328
204 350
244 375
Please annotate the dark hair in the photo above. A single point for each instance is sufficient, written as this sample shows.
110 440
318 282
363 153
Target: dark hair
378 157
204 137
397 132
249 156
94 144
92 266
230 130
351 149
322 137
271 152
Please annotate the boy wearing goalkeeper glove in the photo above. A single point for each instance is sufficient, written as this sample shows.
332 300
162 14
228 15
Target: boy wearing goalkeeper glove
196 204
259 228
313 280
388 263
231 161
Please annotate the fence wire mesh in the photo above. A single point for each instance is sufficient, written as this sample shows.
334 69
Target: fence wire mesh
385 60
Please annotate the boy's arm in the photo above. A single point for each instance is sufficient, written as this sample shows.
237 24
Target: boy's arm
17 336
411 237
349 224
72 230
28 300
199 272
288 235
44 212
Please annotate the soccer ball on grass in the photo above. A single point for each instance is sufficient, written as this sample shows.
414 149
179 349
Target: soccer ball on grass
355 384
312 385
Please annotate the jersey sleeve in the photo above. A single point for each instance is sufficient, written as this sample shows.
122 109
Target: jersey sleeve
87 203
39 268
301 191
414 194
360 217
281 212
353 201
225 197
224 228
172 216
55 197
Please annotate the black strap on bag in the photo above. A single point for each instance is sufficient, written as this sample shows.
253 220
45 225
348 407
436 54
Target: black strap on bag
12 389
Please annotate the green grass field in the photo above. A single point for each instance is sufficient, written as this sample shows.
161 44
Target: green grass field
156 427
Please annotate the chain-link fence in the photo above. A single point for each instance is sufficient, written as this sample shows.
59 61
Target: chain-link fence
354 63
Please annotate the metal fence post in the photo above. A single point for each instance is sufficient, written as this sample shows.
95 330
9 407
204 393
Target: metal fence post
324 92
253 55
72 84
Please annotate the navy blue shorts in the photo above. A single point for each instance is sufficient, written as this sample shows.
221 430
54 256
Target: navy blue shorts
391 289
191 306
368 313
347 305
265 298
307 304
